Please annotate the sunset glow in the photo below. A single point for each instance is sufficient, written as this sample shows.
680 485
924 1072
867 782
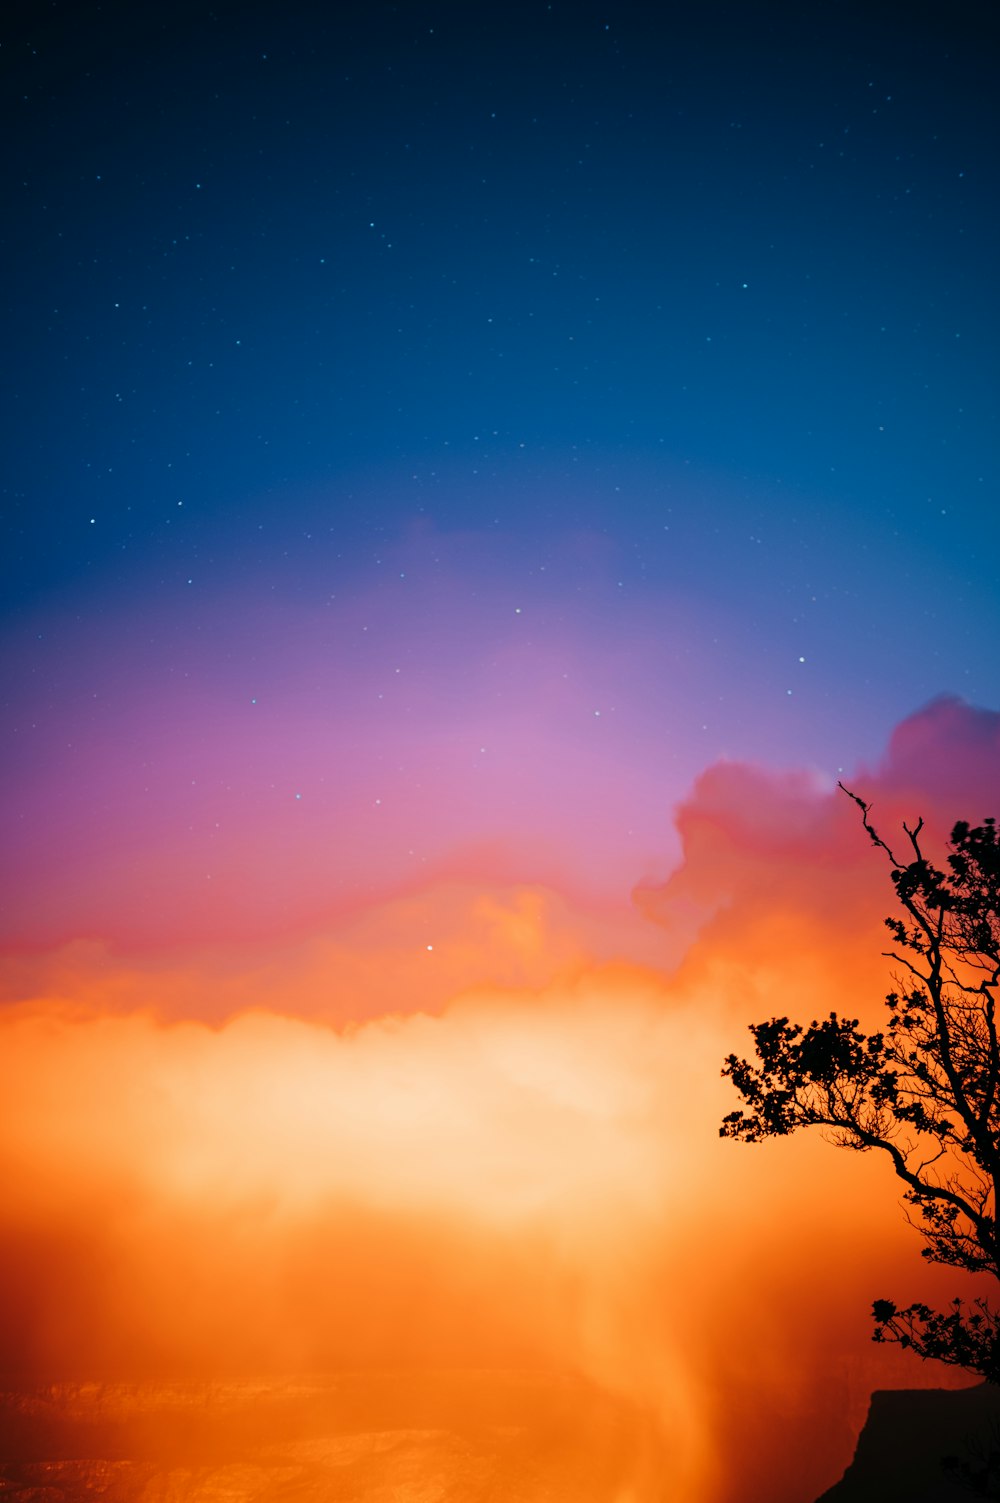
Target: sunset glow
492 1150
475 478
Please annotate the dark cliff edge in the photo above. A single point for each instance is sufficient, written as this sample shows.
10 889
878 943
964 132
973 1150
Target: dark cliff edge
907 1435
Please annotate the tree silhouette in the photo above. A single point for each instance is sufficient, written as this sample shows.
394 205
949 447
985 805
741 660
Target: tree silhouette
925 1091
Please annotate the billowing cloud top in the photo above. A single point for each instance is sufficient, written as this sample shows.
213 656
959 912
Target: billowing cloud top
475 1124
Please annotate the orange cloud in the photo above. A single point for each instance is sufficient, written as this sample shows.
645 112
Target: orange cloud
529 1180
476 1129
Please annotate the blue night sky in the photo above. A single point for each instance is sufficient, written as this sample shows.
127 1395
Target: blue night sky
663 336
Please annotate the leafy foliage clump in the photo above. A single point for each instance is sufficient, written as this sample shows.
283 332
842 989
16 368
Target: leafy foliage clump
925 1090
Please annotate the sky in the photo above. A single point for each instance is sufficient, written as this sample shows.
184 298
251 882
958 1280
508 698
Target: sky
475 476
